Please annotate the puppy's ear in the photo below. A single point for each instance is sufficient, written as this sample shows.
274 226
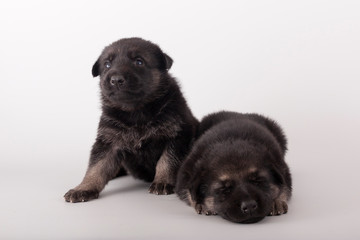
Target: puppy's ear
168 61
95 69
199 187
277 177
198 192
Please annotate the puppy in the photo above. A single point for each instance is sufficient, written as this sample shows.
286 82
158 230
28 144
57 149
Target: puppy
146 127
236 168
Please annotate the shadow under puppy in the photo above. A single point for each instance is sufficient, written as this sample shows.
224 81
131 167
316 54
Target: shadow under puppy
236 168
146 127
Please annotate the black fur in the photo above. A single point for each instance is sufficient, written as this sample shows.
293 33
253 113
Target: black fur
146 127
236 168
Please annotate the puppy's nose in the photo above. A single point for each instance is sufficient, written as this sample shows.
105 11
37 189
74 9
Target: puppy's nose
117 79
248 206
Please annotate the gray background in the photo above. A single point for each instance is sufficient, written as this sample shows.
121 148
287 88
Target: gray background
297 62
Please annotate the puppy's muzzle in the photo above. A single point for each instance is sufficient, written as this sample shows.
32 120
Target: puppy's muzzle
248 207
117 80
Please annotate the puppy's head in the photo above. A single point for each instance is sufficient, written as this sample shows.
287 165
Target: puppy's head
131 72
243 194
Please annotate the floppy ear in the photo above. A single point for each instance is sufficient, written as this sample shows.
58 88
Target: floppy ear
199 186
168 61
278 178
95 69
198 190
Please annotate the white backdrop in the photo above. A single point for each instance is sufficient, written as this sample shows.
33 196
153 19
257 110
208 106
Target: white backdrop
297 62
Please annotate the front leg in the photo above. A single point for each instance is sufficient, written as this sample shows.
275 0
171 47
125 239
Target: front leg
168 166
165 175
103 166
206 209
279 205
169 163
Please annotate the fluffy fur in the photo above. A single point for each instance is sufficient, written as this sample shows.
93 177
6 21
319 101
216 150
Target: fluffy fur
236 168
146 127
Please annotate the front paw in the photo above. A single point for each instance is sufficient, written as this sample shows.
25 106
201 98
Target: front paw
74 195
202 209
278 208
161 188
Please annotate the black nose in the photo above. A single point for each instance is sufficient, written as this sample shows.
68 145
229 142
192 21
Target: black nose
117 79
249 206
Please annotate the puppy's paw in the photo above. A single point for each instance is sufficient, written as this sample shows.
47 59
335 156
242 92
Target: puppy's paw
202 209
161 188
279 207
80 195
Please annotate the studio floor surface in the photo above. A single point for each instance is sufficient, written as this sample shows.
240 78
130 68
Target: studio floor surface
32 207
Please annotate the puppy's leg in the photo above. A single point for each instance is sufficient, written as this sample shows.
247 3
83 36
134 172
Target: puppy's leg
279 205
197 197
165 175
206 207
104 165
169 163
168 166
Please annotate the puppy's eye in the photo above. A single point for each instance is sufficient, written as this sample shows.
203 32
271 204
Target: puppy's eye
139 62
257 180
226 188
107 64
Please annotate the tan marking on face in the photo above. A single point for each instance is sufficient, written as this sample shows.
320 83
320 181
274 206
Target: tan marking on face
216 185
224 177
252 170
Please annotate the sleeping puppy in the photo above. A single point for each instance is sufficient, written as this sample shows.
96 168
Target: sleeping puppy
146 127
236 168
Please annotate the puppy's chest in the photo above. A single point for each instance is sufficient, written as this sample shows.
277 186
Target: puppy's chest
135 137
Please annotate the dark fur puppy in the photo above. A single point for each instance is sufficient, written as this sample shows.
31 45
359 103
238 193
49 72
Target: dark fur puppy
146 127
236 168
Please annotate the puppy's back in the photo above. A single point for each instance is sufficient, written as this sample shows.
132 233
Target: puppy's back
216 118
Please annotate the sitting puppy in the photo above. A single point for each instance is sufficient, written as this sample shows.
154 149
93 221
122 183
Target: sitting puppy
236 168
146 127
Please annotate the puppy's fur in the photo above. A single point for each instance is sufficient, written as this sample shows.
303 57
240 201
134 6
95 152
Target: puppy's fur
146 127
236 168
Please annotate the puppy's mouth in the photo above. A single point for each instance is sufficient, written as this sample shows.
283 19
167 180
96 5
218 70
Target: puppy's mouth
126 100
125 94
253 220
242 220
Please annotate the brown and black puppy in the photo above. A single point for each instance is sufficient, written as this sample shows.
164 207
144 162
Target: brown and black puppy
236 168
146 127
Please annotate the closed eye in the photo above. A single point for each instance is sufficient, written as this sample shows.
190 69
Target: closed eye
226 187
259 181
226 190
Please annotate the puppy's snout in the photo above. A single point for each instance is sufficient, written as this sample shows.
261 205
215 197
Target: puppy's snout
248 206
117 80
